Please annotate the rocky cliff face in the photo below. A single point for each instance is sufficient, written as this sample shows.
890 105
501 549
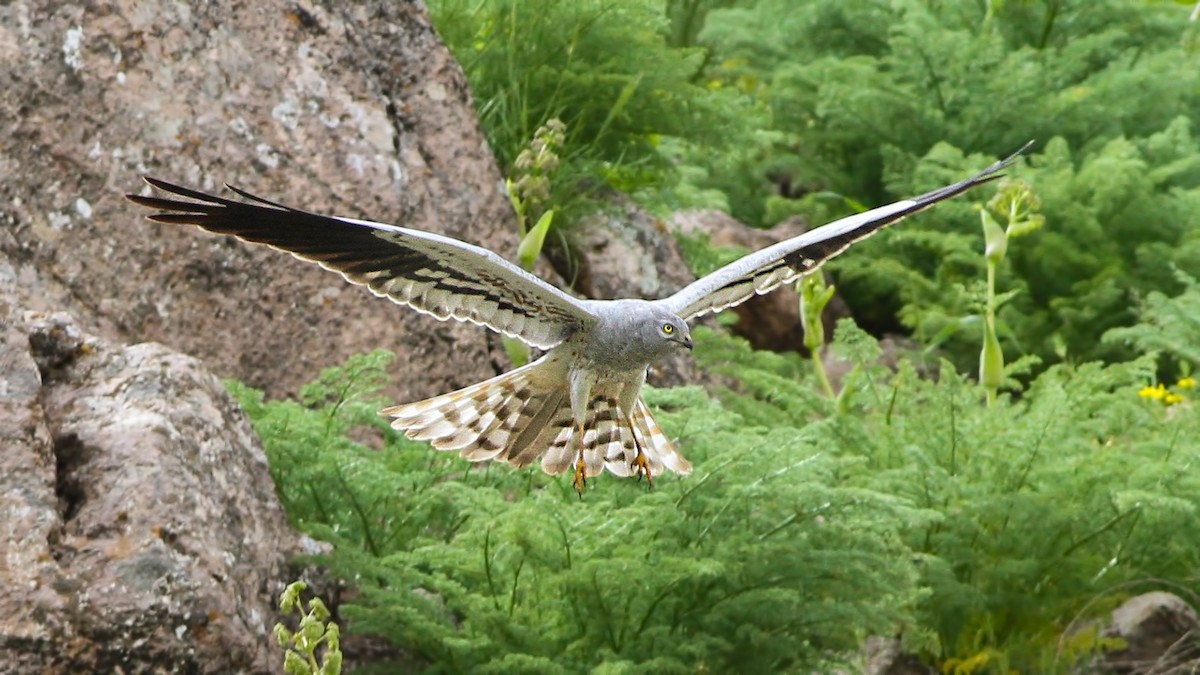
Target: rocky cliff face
139 528
138 520
345 108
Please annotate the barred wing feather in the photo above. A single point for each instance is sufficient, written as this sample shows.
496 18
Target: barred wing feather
437 275
765 270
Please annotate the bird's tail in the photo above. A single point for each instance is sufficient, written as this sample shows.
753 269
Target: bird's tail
522 414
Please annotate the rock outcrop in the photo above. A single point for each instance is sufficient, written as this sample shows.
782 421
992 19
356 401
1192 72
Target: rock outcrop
139 527
139 521
1161 634
623 251
350 108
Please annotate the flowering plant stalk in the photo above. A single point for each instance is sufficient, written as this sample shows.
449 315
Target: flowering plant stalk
528 193
1016 203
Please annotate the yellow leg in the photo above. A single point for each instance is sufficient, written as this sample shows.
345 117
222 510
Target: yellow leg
580 481
641 463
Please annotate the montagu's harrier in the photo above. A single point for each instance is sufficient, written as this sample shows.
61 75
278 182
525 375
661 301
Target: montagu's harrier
579 405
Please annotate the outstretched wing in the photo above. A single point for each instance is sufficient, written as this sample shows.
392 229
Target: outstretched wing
765 270
437 275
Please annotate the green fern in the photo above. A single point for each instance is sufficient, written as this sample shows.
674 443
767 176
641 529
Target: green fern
808 524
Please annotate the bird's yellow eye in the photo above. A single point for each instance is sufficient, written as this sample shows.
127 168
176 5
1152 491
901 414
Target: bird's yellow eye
668 328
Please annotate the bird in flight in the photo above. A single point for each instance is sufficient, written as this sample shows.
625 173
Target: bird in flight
579 406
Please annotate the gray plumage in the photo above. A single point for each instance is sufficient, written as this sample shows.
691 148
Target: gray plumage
577 406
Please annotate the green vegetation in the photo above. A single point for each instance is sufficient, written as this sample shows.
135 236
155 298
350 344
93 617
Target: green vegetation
528 191
602 68
983 521
315 633
907 505
769 108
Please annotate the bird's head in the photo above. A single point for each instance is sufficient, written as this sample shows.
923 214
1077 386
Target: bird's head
636 333
668 330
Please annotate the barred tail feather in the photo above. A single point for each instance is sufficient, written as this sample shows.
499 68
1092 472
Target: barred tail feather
481 421
560 453
658 447
620 447
498 431
512 417
611 441
601 438
548 419
526 413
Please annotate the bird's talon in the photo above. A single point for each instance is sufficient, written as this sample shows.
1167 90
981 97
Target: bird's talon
580 481
642 466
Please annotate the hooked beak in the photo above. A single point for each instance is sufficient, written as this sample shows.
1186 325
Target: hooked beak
687 342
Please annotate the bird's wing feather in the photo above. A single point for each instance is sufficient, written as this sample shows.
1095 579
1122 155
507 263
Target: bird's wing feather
437 275
782 263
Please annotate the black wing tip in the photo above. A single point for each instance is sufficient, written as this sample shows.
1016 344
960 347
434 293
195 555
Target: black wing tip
1007 161
143 200
991 173
203 203
255 198
161 184
158 202
140 200
176 211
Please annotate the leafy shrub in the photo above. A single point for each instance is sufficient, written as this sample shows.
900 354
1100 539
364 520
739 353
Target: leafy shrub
769 108
604 68
1051 509
760 561
983 535
873 101
1168 325
907 506
866 88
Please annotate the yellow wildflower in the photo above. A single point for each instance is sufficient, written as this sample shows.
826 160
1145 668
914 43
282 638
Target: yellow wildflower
1160 393
1157 392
